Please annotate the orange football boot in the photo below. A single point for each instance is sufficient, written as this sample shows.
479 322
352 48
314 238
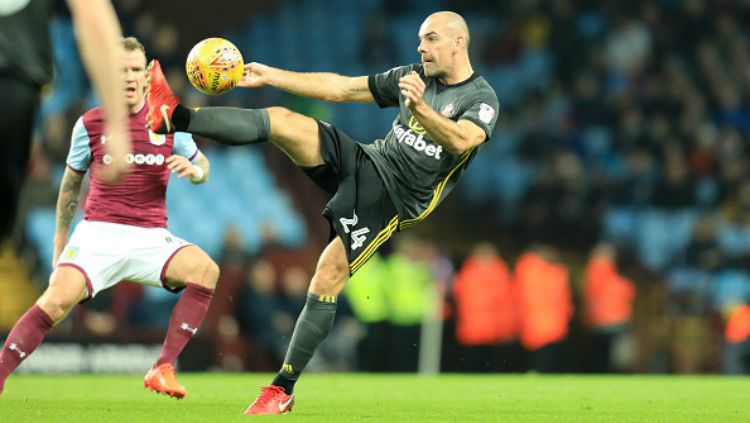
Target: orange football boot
162 379
160 100
272 400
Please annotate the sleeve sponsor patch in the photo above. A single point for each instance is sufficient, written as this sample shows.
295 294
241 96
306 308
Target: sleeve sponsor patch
486 113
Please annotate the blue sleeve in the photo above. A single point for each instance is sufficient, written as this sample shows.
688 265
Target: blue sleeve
184 145
79 156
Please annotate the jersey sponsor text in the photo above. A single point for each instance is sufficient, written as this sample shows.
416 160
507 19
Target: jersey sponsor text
417 141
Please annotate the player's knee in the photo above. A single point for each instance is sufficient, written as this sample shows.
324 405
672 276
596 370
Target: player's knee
330 278
279 114
58 300
206 274
212 273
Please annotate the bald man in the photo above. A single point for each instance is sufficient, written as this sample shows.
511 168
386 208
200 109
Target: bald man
446 111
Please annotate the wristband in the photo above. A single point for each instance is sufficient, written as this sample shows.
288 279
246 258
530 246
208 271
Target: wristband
199 174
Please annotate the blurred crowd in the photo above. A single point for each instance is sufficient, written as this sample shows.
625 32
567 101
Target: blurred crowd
639 136
619 166
492 317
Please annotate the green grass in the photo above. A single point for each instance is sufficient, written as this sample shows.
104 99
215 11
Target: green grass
379 398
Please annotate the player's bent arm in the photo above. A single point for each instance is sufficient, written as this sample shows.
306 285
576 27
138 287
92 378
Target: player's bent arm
67 205
455 137
324 86
98 33
196 171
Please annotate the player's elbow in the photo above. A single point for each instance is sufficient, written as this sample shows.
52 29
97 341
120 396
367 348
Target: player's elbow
458 146
463 142
456 150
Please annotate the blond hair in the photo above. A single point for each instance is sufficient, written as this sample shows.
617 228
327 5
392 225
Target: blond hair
132 43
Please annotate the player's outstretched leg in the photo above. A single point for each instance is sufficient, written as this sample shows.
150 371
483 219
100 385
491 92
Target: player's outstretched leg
227 125
311 329
193 265
67 287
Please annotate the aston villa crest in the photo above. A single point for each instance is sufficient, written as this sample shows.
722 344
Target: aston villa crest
157 139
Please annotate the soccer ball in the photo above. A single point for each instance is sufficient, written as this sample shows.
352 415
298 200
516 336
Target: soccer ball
214 66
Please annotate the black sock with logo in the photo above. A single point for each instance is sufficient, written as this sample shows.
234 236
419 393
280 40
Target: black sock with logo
227 125
313 326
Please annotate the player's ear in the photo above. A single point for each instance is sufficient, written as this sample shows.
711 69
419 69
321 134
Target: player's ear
458 42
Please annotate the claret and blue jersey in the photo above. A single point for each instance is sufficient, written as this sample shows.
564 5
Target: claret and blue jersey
139 199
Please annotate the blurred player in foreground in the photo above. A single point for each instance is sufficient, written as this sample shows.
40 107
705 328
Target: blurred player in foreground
123 235
26 66
446 111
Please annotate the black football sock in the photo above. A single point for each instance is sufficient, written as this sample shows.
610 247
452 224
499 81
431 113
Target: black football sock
227 125
313 325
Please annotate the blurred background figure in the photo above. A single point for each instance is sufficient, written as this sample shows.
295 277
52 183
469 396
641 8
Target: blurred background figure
737 341
367 294
545 307
487 320
410 288
608 304
261 317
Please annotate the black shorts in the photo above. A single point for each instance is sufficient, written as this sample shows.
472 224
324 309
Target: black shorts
360 211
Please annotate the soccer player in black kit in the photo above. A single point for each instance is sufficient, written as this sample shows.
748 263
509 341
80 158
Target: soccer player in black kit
445 111
26 66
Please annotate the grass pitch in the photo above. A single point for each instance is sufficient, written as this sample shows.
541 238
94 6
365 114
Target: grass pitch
380 398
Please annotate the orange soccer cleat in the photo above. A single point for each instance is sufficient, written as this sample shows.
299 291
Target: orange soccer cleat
160 100
272 400
162 379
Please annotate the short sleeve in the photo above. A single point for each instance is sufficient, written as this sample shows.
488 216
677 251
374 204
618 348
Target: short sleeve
79 156
384 86
483 112
184 146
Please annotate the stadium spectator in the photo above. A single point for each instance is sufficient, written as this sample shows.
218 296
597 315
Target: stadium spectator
486 317
260 315
233 254
409 287
608 304
222 322
545 307
368 297
293 284
737 341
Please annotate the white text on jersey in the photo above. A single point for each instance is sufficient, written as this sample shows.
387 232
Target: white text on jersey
417 142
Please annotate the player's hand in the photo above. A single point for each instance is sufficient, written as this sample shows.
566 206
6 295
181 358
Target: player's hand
181 166
412 87
255 75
